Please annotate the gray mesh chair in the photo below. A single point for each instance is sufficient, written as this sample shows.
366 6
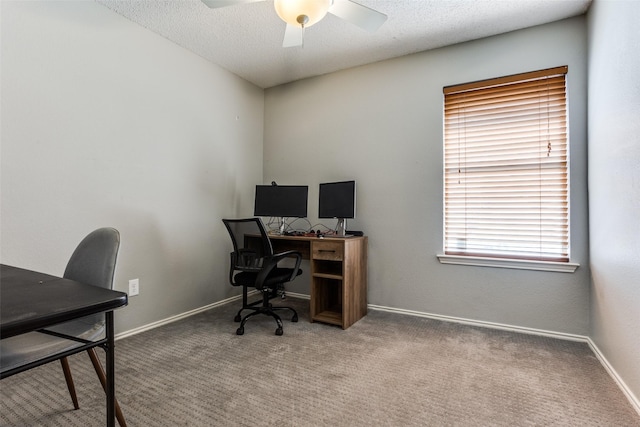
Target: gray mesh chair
254 265
93 262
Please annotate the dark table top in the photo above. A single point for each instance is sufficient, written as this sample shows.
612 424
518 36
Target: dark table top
30 300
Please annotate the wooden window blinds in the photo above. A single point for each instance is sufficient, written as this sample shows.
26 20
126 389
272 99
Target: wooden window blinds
506 167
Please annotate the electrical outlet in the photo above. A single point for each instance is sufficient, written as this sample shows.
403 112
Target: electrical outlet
134 287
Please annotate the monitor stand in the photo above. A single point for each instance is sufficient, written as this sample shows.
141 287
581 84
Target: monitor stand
341 228
283 226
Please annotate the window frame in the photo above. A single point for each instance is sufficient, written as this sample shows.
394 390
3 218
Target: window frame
516 259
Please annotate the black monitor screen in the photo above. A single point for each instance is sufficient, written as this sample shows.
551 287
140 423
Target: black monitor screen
281 200
337 200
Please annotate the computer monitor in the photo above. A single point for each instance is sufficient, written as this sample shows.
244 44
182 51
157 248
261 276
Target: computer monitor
337 200
281 201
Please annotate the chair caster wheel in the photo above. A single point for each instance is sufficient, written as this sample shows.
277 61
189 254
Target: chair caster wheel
279 331
240 331
237 318
294 318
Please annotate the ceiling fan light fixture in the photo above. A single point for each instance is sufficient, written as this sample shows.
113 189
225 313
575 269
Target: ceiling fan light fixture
302 13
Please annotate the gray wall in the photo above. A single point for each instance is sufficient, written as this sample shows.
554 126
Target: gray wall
614 184
107 124
381 124
104 123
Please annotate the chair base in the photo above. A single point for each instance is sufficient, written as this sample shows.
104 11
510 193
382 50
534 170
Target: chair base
266 309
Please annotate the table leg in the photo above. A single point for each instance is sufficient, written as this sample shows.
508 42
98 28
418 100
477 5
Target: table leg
111 383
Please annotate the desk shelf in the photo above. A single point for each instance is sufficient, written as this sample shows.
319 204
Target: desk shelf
331 317
327 268
328 276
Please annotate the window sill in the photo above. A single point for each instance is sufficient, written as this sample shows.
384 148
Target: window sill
558 267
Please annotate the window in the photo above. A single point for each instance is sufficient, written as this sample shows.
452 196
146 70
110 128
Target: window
506 189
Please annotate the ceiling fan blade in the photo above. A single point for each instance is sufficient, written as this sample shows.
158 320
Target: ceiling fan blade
362 16
293 36
214 4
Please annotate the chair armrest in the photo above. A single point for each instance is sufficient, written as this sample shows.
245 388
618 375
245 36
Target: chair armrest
272 262
291 254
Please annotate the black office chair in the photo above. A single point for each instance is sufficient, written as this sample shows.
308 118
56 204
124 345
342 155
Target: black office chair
254 265
93 262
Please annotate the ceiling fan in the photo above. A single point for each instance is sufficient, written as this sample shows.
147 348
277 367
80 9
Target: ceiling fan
301 14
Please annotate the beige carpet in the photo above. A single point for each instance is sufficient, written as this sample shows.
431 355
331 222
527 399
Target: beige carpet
386 370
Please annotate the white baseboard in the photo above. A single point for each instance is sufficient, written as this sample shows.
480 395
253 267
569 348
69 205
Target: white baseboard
175 318
189 313
483 324
635 402
296 295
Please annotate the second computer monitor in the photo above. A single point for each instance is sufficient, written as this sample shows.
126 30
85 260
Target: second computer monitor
337 200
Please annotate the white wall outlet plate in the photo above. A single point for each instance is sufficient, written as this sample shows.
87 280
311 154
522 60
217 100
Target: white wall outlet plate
134 287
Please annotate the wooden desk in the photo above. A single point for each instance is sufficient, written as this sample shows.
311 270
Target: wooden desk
338 275
31 301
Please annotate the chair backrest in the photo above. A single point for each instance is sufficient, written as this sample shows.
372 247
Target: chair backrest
250 241
94 260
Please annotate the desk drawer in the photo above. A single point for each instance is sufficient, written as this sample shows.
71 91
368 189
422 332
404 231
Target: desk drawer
333 251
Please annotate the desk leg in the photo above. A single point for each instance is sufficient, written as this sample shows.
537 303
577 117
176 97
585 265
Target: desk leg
111 371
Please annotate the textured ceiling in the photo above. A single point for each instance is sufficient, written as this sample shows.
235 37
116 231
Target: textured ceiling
246 39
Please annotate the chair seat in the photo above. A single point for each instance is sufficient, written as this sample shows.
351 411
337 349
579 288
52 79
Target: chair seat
278 275
26 348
